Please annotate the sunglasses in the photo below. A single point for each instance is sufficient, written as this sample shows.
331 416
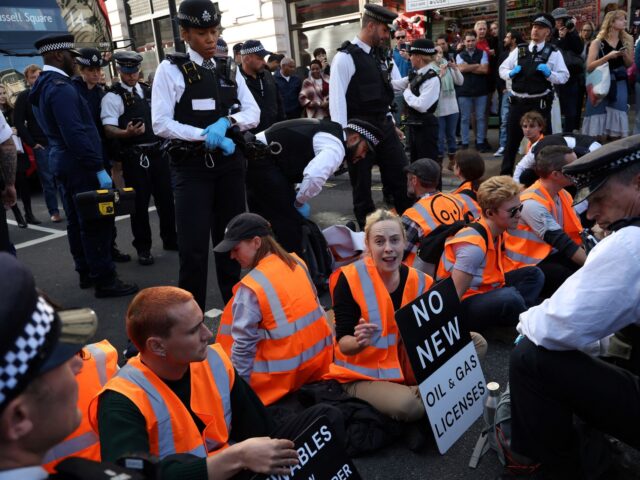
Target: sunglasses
401 38
513 211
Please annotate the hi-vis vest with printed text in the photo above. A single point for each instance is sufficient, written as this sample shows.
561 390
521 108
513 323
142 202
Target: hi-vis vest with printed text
100 363
380 360
296 341
170 427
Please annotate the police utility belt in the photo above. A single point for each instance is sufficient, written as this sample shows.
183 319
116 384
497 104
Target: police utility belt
140 152
181 152
542 101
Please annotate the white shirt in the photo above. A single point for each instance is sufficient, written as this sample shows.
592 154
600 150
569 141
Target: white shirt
342 69
168 87
429 91
112 106
329 154
559 72
50 68
24 473
5 130
596 301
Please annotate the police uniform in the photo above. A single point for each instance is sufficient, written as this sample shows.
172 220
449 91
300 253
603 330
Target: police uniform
367 95
188 96
77 161
144 168
532 89
551 378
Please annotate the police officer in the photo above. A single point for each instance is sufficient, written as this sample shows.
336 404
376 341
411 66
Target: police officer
361 88
193 106
305 151
126 116
77 160
533 69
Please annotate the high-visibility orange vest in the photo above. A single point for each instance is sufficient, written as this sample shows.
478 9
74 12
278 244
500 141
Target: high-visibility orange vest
295 339
170 427
523 246
430 212
492 268
470 205
100 363
378 361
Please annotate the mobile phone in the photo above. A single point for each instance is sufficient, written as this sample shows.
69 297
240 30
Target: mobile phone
404 46
137 120
622 49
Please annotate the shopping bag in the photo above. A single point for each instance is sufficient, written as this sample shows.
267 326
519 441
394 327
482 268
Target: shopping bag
598 83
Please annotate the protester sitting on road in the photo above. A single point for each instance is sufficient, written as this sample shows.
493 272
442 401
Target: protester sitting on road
468 166
273 329
490 295
548 234
533 124
369 361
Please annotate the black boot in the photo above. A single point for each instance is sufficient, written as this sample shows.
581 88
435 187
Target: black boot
22 223
115 288
30 217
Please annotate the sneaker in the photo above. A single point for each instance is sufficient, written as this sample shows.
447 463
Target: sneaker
117 288
56 218
118 256
499 152
145 258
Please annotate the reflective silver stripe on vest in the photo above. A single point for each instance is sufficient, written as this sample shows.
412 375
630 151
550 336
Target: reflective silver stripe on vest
101 362
272 297
526 235
518 257
372 307
421 282
221 377
379 373
166 446
224 329
71 446
425 215
290 328
306 271
290 364
470 205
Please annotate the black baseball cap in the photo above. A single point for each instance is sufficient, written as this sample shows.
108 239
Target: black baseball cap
425 169
243 227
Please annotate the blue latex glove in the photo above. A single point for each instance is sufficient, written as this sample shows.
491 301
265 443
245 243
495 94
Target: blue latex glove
544 68
227 146
515 71
104 179
215 132
303 210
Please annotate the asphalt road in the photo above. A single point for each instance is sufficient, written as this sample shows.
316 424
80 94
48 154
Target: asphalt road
45 250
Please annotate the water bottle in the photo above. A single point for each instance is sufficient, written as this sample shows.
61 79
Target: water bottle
491 403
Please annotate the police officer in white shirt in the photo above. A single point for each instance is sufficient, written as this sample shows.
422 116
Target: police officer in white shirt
533 68
551 379
194 104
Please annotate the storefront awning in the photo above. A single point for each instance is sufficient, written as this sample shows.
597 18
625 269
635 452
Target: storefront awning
421 5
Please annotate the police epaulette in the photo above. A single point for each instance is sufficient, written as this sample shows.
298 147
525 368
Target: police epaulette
178 58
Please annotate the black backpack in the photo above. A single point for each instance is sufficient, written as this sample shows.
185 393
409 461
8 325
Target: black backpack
316 254
432 246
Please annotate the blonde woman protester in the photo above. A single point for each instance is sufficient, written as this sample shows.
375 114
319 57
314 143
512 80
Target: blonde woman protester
612 45
273 328
369 359
447 111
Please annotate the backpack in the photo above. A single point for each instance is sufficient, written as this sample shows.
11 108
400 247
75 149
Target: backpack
316 254
432 246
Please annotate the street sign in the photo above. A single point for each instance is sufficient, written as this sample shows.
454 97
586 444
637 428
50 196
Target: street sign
444 362
419 5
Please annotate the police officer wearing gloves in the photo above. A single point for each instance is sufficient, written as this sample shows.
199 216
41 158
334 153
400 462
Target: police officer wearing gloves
360 87
421 90
76 158
551 379
126 116
38 390
305 151
533 68
194 107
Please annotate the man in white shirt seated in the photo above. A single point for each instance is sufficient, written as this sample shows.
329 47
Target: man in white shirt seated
551 379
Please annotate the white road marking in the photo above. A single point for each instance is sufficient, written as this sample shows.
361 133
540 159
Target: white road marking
213 313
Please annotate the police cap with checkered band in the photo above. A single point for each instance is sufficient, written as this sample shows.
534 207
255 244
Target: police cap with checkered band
372 134
91 57
55 43
198 14
380 14
591 171
34 339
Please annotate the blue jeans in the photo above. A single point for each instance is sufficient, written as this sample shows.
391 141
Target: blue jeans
47 180
478 105
447 136
503 306
504 117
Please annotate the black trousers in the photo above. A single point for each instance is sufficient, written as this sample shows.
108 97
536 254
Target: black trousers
5 243
423 139
514 131
205 200
556 268
271 195
391 159
154 180
549 387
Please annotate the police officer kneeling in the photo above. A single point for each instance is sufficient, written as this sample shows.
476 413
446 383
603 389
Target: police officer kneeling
38 389
551 377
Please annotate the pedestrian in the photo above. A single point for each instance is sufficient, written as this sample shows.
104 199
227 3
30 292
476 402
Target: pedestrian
208 171
361 89
77 158
314 94
8 158
533 68
511 41
447 112
273 62
402 62
608 120
320 54
289 85
126 117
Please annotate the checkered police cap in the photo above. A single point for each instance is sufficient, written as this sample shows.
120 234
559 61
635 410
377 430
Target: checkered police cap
423 46
371 133
198 14
379 13
53 43
254 46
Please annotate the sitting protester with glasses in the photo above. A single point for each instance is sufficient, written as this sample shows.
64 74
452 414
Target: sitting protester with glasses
474 259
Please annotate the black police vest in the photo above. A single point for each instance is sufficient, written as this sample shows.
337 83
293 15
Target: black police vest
369 93
135 107
296 138
415 82
530 80
474 85
265 92
203 84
